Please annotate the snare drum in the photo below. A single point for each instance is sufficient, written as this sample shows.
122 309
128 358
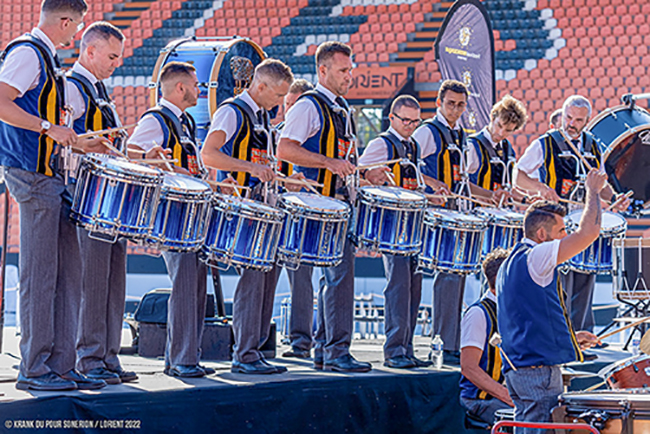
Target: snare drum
628 374
181 217
389 219
242 232
451 242
224 68
610 411
114 197
505 228
598 257
314 230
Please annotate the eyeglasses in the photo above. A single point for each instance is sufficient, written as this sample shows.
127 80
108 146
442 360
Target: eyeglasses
455 105
80 26
408 122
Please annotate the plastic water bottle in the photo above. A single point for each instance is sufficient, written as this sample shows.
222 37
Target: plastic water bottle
436 352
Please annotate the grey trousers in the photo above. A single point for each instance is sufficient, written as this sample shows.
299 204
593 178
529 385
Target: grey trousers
50 275
448 291
103 270
186 308
252 312
402 295
535 392
301 321
484 409
336 308
580 294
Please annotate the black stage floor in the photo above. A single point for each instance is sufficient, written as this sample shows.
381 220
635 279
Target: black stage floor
300 401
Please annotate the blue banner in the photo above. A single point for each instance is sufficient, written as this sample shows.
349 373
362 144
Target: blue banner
465 52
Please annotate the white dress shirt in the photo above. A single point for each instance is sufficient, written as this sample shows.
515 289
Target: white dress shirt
73 94
376 150
225 118
473 332
148 133
302 120
21 69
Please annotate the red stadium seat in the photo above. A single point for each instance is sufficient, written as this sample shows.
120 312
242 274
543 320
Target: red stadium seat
393 47
383 57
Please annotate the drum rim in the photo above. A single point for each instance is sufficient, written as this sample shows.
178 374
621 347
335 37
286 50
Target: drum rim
478 224
194 191
421 199
260 209
283 202
147 171
609 111
613 231
503 221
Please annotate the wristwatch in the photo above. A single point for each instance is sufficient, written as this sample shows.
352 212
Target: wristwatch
45 127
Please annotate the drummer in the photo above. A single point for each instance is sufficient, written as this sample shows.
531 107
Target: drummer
496 156
103 264
168 129
555 120
300 280
536 334
235 147
444 167
325 151
403 290
482 391
542 170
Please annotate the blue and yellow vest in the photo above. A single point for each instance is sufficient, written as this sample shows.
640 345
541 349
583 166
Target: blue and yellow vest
29 150
533 320
490 359
331 141
245 144
181 140
490 175
444 165
97 117
557 172
405 176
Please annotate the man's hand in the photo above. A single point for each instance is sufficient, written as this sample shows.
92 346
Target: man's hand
228 190
340 167
377 176
62 135
292 186
93 144
587 339
157 153
263 173
500 195
623 205
595 181
549 194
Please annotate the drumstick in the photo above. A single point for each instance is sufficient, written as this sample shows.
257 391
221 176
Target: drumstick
391 178
571 202
308 185
495 341
226 184
102 132
114 149
282 177
619 200
382 163
634 324
164 157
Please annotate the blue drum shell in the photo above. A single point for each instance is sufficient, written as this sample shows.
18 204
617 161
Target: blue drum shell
505 228
313 231
113 196
242 232
451 242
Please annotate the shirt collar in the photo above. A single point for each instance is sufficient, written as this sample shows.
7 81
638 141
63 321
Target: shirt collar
81 70
486 133
164 103
529 242
46 39
490 296
248 99
398 135
443 121
325 91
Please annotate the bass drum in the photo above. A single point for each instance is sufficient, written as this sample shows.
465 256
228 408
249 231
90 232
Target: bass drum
626 132
224 67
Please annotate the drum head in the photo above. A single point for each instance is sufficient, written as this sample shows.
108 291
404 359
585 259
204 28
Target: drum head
628 166
227 63
184 183
611 222
247 206
501 217
313 202
392 194
121 165
456 219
